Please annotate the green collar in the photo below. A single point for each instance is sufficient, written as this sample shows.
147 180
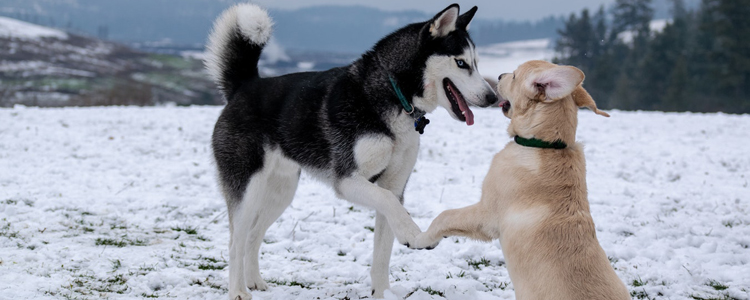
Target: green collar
537 143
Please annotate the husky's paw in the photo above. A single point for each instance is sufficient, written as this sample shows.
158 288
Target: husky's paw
407 233
257 284
425 241
240 295
378 294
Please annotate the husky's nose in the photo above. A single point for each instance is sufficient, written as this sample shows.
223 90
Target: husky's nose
489 99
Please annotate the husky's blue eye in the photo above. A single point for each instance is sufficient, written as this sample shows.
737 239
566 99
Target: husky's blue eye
462 64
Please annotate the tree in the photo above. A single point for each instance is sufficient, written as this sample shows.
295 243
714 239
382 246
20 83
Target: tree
577 40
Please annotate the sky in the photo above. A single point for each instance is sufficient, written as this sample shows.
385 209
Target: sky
488 9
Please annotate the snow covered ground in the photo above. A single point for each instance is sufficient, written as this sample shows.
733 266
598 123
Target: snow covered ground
121 203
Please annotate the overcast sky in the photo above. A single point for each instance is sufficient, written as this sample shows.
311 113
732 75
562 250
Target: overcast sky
488 9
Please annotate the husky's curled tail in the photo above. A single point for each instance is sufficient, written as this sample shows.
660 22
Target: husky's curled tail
235 44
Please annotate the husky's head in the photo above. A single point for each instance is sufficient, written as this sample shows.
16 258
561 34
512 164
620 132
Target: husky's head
451 78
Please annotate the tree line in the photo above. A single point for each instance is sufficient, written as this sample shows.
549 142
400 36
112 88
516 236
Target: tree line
699 61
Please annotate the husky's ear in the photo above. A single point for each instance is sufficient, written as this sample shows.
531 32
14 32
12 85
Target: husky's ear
465 19
445 21
554 83
583 99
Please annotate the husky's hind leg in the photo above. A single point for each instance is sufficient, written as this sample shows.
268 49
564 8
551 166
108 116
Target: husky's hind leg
269 193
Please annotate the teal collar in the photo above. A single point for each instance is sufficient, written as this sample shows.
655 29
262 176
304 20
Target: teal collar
537 143
407 107
419 120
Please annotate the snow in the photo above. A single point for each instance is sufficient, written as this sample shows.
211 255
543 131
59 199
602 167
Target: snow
502 58
12 28
121 203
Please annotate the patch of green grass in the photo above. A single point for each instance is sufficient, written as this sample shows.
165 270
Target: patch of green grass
211 263
639 282
208 283
6 232
87 284
204 266
116 264
501 286
305 259
278 282
717 285
120 243
459 275
172 61
341 253
370 228
186 229
639 294
477 263
720 297
428 290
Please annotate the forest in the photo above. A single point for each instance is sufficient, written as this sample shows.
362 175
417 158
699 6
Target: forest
699 61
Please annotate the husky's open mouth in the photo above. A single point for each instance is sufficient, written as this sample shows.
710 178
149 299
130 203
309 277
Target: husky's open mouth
458 104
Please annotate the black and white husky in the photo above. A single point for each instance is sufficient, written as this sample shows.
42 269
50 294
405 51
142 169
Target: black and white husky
351 127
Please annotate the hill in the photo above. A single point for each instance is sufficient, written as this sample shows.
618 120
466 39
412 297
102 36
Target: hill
49 67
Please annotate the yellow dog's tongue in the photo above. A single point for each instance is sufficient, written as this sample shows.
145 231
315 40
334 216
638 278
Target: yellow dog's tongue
463 106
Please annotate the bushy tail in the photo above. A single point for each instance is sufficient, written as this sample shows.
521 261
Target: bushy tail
235 44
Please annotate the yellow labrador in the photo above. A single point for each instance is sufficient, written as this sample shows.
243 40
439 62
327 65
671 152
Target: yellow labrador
534 197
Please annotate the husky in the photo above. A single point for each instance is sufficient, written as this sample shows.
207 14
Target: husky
355 128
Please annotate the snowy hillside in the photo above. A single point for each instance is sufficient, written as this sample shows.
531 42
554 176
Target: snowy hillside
42 66
23 30
121 203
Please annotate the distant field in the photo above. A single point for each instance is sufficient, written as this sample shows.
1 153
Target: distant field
121 203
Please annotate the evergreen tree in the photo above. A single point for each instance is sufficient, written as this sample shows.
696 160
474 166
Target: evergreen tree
633 16
700 61
576 41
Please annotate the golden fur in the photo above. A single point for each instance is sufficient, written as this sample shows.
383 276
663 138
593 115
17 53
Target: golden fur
535 200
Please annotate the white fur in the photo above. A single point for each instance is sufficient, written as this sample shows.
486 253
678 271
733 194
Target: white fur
268 194
372 154
254 24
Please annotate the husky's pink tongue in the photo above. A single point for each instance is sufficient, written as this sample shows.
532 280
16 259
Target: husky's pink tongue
467 112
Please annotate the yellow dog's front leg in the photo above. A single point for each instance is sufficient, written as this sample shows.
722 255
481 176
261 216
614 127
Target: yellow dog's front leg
470 221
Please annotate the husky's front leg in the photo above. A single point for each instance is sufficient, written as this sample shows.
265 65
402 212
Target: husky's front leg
359 190
381 256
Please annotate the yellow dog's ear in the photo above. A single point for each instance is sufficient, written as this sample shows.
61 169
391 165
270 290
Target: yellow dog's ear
554 83
583 99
